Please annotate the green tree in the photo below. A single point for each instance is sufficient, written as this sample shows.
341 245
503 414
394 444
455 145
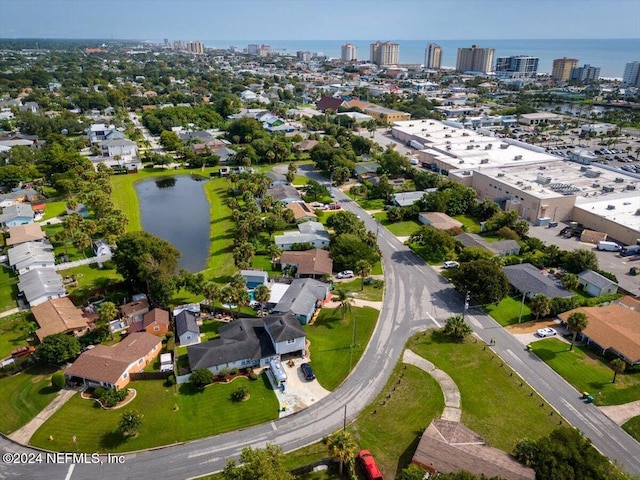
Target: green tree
618 366
435 244
258 464
342 448
456 328
58 380
412 472
58 348
540 305
314 189
201 377
170 141
579 260
240 394
347 249
107 311
211 292
261 294
345 299
576 322
485 281
130 422
362 269
570 281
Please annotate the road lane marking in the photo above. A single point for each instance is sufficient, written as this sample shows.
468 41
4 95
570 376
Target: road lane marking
434 320
70 471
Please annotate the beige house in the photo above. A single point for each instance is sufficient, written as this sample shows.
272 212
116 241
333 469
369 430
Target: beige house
439 220
59 315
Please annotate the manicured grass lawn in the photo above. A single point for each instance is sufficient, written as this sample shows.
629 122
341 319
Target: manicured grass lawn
374 204
91 278
425 254
23 396
263 262
331 337
632 427
59 249
377 268
399 229
493 402
198 414
299 180
507 311
8 289
369 293
14 331
588 373
54 209
393 432
209 329
471 225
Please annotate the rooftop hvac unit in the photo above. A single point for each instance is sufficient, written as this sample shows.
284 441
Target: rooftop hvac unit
584 169
472 140
595 185
448 142
484 160
528 187
592 174
445 128
432 123
631 186
611 207
446 135
465 134
461 161
607 189
500 175
466 172
619 180
504 145
487 146
638 211
518 157
519 182
541 167
543 179
469 147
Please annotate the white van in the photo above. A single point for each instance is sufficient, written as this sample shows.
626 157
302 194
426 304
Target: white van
608 246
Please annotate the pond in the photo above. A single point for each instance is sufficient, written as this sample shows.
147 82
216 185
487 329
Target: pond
176 209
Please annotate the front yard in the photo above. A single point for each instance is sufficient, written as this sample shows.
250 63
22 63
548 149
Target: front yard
399 229
587 372
14 331
632 427
507 312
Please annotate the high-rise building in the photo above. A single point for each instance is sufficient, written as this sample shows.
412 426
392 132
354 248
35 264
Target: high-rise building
586 73
433 56
475 59
631 74
349 53
179 45
562 68
303 56
264 50
384 53
166 42
195 47
253 49
519 66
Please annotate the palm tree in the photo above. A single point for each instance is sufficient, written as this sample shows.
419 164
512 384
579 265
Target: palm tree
274 252
211 292
362 269
261 295
342 447
576 322
456 328
61 236
540 305
107 311
619 366
345 300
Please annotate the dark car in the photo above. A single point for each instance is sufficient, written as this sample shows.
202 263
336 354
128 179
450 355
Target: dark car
307 371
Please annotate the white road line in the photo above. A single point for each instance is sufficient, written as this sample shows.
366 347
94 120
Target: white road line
273 426
433 320
70 472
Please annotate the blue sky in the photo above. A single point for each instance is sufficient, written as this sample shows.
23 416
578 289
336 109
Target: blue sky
319 20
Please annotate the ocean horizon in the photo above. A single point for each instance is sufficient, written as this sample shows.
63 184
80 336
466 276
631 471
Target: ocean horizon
610 55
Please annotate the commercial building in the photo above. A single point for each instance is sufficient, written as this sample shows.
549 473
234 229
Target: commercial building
386 115
631 74
349 53
586 73
475 59
519 66
195 47
433 56
562 67
303 56
384 53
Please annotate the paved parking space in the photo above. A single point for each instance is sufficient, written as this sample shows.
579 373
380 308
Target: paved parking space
525 333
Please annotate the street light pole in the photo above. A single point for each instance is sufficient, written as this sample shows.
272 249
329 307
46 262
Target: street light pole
466 303
521 307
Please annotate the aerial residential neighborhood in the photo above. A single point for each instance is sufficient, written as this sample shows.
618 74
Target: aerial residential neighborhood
346 261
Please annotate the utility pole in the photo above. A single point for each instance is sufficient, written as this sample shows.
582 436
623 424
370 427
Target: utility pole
522 306
344 422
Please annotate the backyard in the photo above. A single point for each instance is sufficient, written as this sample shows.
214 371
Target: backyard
8 288
14 331
587 372
169 417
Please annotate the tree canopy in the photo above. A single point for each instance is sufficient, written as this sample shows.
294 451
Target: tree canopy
483 279
258 464
58 348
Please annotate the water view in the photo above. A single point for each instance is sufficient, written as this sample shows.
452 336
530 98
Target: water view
176 209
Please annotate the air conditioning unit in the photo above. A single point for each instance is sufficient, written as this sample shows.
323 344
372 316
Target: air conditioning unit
518 157
500 175
484 160
472 140
631 186
469 147
619 180
446 135
461 161
504 145
607 189
611 207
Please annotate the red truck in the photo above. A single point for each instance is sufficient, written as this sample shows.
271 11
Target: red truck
22 351
369 465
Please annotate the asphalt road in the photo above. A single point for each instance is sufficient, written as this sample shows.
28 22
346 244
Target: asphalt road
416 297
155 146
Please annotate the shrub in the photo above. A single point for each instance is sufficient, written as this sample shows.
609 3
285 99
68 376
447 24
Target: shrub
99 392
233 371
201 377
240 393
253 376
58 380
171 380
377 283
224 373
111 397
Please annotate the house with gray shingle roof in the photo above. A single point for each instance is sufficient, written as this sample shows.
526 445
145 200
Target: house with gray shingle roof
187 329
530 280
302 298
500 248
16 214
30 255
595 284
308 232
40 285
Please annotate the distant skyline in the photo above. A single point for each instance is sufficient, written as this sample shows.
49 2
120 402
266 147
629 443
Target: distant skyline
320 20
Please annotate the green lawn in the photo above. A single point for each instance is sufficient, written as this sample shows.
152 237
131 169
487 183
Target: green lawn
404 408
198 414
69 250
507 311
263 262
470 224
493 402
14 331
209 329
369 293
23 396
299 180
399 229
588 373
91 279
331 337
8 288
54 209
632 427
374 204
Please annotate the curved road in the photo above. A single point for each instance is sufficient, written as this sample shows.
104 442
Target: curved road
416 297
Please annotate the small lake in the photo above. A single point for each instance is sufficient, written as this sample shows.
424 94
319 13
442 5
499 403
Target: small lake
176 209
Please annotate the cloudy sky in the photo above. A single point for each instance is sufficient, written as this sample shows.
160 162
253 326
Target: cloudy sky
320 20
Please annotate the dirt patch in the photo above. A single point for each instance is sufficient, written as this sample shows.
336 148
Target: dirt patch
530 327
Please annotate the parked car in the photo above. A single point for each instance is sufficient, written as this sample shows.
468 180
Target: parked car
307 371
546 332
369 465
450 264
345 274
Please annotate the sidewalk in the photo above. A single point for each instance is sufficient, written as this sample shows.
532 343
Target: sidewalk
622 413
6 313
24 434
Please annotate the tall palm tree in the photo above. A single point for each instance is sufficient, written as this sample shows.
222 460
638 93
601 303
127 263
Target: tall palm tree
342 447
261 295
211 292
362 269
618 365
576 322
540 305
345 300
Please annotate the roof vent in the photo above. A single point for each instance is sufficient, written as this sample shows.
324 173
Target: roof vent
611 207
619 180
484 161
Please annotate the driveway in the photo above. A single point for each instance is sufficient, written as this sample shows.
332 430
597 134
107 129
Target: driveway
299 393
525 332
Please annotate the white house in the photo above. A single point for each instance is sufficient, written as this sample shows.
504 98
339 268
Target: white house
31 255
123 148
308 232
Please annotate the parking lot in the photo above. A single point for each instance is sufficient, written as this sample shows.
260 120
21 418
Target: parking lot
608 261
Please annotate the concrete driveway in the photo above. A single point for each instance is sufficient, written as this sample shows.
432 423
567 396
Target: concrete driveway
299 392
525 332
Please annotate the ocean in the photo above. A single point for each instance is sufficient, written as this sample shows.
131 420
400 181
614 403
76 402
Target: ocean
610 55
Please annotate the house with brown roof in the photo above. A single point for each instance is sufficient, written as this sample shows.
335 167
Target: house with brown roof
134 311
332 103
156 322
302 211
30 232
112 366
59 315
306 145
310 263
447 446
439 220
614 328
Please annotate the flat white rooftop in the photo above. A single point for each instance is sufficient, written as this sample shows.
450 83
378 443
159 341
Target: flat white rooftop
625 208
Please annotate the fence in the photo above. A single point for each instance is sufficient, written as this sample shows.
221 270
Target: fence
86 261
150 375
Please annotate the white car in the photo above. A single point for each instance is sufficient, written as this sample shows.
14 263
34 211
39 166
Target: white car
450 264
546 332
345 274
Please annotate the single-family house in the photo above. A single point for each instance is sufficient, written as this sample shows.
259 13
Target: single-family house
133 312
187 329
529 280
302 298
249 342
364 171
447 446
406 199
112 366
314 263
59 315
101 248
329 103
596 284
302 211
253 278
439 220
30 232
16 214
31 255
612 328
501 248
277 179
39 285
155 322
19 195
125 149
312 233
97 132
306 145
285 194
